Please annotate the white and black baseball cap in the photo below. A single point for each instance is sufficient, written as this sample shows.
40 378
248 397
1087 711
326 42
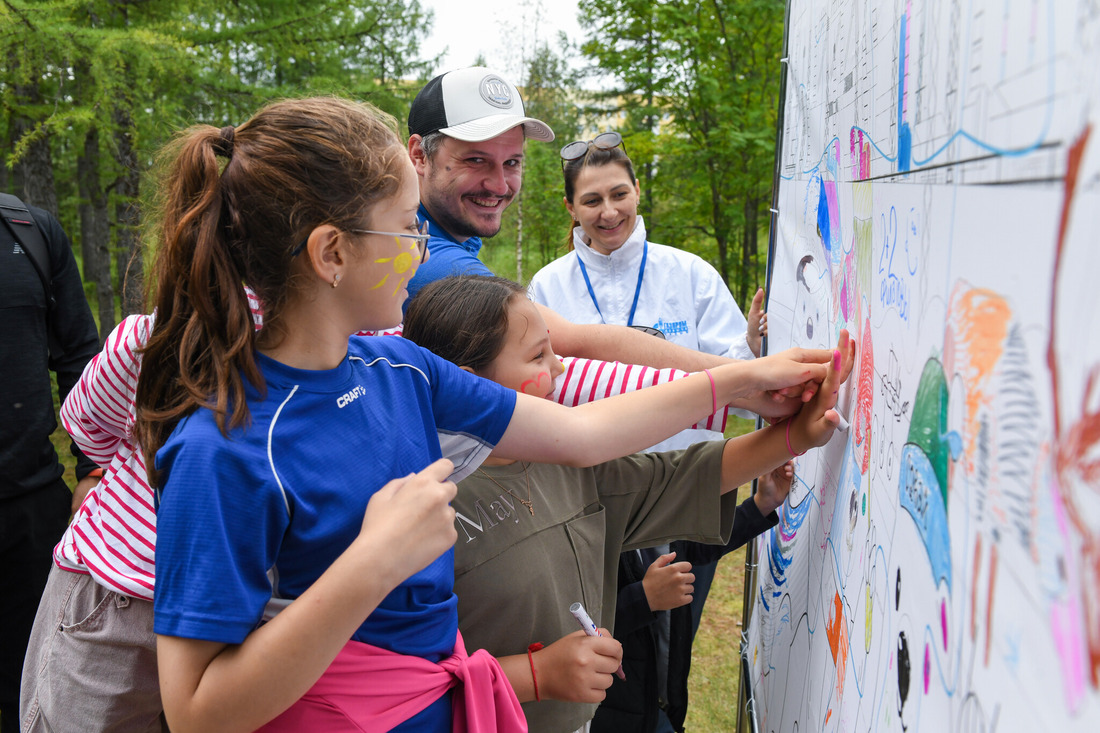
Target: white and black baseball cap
472 104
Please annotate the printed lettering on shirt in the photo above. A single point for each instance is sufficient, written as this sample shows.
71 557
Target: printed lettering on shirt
348 397
500 508
670 328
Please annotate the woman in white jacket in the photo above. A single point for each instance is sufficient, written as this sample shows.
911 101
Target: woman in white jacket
615 275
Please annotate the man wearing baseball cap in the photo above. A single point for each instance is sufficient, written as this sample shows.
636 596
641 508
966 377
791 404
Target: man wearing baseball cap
467 130
466 136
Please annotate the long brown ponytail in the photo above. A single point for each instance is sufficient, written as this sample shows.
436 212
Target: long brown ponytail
296 164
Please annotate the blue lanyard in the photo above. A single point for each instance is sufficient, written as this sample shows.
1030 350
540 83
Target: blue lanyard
637 288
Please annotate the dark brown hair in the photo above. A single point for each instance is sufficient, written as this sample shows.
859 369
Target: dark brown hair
463 319
595 157
295 165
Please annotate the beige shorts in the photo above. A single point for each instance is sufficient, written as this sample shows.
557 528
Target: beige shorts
92 661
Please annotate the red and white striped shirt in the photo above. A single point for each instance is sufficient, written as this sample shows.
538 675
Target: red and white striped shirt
586 380
113 535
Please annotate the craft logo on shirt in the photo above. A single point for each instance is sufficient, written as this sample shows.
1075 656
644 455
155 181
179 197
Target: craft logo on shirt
348 397
671 328
18 250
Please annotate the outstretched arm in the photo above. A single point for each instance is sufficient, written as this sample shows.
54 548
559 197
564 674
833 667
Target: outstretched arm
545 432
619 343
588 380
759 452
753 516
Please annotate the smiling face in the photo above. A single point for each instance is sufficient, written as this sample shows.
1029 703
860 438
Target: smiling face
605 203
466 186
527 362
385 263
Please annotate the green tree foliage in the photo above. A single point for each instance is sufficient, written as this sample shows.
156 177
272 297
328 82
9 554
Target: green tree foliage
536 230
90 88
700 78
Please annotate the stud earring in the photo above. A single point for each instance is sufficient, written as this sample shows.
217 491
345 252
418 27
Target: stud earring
335 279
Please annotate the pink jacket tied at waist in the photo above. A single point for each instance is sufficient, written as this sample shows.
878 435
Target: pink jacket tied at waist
367 688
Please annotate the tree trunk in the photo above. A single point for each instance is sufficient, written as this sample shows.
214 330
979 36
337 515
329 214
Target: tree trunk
127 215
35 168
718 220
5 178
94 232
748 250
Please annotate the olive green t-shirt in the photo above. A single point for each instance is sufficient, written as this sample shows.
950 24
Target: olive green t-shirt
517 571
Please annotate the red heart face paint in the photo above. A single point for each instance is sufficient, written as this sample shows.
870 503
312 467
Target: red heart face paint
539 386
526 362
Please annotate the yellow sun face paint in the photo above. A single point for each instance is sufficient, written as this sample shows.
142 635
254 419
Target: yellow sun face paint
401 264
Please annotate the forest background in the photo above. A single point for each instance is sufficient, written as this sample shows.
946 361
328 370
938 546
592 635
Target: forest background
91 89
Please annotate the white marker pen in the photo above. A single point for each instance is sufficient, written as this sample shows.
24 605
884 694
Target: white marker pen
590 629
843 425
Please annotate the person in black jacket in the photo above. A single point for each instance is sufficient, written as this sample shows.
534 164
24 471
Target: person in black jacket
653 618
35 502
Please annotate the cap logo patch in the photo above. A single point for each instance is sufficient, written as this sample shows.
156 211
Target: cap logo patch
496 92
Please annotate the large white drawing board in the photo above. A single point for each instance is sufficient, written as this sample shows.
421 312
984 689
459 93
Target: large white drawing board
937 567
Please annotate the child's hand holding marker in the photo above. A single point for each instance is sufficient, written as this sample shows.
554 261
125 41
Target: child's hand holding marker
590 629
814 424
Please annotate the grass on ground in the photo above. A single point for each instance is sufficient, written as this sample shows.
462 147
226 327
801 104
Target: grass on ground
715 657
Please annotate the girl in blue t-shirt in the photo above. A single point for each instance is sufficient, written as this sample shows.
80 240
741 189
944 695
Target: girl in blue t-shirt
304 562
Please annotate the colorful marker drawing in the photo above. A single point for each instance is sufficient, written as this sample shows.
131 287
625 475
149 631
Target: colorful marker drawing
937 566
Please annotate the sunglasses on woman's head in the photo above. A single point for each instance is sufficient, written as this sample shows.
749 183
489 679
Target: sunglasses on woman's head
578 148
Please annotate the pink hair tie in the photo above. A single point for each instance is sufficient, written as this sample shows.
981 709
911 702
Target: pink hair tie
713 392
789 448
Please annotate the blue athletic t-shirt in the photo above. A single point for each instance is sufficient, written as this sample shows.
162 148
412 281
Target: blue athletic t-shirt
447 258
261 515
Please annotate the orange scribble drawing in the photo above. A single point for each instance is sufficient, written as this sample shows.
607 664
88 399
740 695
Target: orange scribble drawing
837 631
977 329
